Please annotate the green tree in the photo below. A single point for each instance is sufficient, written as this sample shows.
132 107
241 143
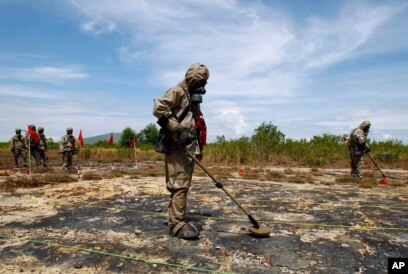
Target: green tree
126 137
148 135
266 141
267 135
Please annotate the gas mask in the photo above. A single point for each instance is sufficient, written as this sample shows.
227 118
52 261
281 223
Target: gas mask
196 93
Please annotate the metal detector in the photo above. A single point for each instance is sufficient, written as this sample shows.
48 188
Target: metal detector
384 179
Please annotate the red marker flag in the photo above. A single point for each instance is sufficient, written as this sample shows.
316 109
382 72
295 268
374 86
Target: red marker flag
33 134
110 142
200 124
81 140
133 143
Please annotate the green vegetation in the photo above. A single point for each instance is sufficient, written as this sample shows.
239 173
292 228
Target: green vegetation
266 146
126 137
148 135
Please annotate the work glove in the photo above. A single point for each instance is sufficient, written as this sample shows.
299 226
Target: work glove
173 125
185 137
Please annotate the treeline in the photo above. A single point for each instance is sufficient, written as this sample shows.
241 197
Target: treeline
267 146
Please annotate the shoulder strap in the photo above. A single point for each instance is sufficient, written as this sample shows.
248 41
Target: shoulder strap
185 111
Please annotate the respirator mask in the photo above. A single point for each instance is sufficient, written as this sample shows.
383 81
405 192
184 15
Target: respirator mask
197 92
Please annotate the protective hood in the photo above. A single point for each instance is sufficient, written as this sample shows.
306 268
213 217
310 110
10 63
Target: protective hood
365 125
195 73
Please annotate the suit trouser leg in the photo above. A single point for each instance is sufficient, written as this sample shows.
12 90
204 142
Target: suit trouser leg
179 170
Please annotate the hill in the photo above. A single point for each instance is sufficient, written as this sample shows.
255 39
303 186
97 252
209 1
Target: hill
103 137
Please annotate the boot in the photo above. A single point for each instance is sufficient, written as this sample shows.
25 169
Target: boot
186 231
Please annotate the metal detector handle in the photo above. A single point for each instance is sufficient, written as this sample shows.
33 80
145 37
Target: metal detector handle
369 156
220 185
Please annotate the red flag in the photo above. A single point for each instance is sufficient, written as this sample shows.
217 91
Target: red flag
133 143
200 124
33 134
110 142
81 140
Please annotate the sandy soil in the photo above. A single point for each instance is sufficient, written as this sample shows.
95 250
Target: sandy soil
118 225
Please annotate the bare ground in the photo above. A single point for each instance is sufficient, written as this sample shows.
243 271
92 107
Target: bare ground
321 222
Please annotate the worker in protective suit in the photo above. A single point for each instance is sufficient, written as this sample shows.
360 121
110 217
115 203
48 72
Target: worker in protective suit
33 141
42 145
358 146
68 149
18 147
177 112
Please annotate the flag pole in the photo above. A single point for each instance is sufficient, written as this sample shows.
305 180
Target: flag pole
111 144
29 155
79 162
134 148
81 144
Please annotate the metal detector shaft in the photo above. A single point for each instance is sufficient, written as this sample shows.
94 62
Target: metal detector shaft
220 185
369 156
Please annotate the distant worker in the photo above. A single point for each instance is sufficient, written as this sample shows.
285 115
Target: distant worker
68 149
177 111
43 146
18 147
33 140
358 146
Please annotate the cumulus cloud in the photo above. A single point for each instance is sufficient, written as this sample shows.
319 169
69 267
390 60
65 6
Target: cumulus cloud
264 62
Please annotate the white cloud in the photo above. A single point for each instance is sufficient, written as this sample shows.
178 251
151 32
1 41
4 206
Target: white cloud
27 93
43 74
250 48
264 63
97 29
228 116
329 41
94 114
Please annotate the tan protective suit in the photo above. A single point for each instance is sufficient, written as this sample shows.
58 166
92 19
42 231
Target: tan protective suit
178 166
18 148
68 149
357 146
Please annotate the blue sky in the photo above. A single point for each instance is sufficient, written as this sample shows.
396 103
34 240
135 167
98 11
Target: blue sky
309 67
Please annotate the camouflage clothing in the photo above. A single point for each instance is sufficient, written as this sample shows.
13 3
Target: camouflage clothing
357 142
18 148
42 145
68 149
176 108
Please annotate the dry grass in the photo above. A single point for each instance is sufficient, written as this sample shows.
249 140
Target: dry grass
367 183
274 176
4 173
344 179
41 170
57 178
10 184
90 176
